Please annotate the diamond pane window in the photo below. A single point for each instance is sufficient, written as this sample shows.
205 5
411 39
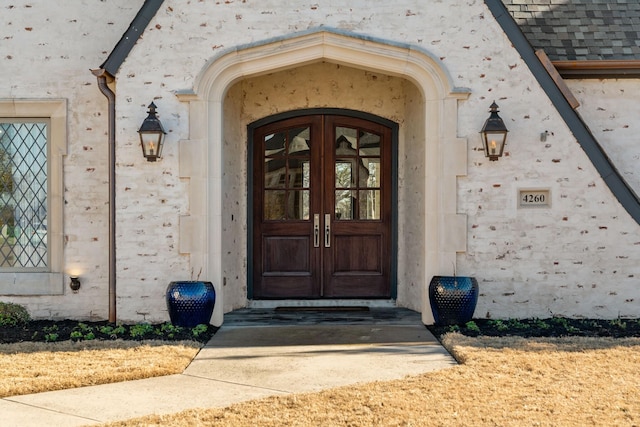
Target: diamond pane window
23 195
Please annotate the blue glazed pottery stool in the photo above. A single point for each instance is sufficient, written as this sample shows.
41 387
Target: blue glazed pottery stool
190 302
453 299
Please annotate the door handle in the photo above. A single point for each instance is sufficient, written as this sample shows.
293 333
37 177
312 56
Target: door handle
327 230
316 230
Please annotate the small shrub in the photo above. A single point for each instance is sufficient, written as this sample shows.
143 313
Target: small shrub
619 323
471 326
564 323
13 314
200 329
140 330
51 337
168 329
51 333
107 330
517 324
498 324
82 331
541 324
112 331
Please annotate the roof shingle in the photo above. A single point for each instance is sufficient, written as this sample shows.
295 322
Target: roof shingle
574 30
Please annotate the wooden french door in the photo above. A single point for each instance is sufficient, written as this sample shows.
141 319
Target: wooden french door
322 208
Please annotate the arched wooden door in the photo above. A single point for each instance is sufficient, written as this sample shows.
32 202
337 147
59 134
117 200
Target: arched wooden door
322 208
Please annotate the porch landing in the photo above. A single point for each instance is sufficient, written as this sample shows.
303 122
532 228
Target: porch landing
291 316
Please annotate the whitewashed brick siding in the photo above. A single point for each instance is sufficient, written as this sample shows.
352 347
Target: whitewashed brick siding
578 258
610 107
46 51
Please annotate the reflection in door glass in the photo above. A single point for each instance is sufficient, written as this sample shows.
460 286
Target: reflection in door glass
286 205
299 141
274 144
298 204
345 204
287 175
274 172
369 204
346 139
344 176
369 144
298 173
371 173
274 204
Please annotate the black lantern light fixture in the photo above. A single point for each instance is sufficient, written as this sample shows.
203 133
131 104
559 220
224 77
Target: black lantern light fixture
494 134
74 284
152 135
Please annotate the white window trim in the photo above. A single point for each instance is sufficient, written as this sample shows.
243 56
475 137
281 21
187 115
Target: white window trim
52 281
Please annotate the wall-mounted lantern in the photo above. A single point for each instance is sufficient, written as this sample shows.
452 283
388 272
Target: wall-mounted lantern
74 284
152 135
494 134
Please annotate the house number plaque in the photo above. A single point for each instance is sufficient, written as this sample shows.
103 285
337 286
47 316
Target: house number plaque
534 198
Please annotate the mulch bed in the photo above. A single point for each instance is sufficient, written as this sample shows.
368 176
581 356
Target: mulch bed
63 330
552 327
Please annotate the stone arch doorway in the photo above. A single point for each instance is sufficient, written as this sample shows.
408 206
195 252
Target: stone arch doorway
313 70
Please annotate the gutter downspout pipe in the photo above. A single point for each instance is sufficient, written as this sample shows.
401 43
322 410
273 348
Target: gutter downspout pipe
102 75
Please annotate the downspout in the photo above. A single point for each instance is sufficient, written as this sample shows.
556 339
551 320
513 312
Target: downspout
102 75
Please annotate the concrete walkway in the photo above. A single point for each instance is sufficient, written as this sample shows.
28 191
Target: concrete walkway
249 360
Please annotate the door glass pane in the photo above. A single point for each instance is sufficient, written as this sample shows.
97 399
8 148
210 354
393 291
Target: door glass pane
344 175
274 204
346 141
274 172
369 204
298 204
369 144
298 173
274 144
345 204
282 205
370 175
299 141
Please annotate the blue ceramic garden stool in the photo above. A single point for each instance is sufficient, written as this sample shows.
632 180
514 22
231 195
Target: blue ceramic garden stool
190 303
453 299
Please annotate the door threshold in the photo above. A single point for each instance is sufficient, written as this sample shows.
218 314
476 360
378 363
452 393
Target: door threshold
322 304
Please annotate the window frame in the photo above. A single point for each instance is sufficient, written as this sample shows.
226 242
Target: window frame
34 281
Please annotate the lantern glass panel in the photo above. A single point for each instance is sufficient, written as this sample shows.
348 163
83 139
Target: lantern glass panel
151 144
494 143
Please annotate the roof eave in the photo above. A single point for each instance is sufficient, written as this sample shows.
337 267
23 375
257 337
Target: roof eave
598 69
131 36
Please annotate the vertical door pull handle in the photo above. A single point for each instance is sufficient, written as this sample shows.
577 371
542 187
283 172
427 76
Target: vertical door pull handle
316 230
327 230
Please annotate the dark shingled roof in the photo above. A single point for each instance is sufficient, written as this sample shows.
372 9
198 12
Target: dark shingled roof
576 30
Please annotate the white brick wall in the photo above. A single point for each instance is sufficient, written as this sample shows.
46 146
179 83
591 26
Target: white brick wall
578 258
610 109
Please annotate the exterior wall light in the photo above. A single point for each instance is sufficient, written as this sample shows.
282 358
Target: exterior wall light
75 283
152 135
494 134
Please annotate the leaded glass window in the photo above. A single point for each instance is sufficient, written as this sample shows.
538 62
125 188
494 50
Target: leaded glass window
23 194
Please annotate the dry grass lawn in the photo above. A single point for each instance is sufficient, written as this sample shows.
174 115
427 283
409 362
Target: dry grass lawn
501 382
36 367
